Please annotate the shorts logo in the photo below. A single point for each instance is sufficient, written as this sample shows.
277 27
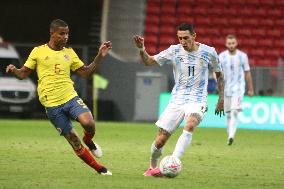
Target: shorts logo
80 102
59 130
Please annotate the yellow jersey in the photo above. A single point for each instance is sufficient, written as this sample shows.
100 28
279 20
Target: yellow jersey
55 86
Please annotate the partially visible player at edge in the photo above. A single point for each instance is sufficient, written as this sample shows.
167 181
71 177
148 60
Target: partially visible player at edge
53 63
236 74
191 61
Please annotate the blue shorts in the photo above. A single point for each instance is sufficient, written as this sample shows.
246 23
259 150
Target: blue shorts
60 116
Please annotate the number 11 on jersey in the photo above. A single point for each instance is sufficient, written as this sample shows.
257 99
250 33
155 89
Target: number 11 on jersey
190 71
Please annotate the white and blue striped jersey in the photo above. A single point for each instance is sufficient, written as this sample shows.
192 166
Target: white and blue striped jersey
234 67
190 71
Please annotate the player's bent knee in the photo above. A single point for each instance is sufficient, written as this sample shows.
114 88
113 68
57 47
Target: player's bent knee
89 125
161 141
235 112
190 125
192 122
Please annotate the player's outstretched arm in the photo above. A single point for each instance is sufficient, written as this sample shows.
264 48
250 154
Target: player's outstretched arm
21 73
146 58
249 83
220 105
87 71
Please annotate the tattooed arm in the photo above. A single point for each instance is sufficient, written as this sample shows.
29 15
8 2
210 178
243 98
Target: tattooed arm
146 58
220 105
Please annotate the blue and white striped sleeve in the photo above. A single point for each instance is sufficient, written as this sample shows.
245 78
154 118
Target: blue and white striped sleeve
165 56
246 62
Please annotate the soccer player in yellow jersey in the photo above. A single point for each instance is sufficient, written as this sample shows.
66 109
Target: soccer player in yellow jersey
53 63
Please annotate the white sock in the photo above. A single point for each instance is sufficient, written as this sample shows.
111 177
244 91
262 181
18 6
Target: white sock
232 124
155 155
182 143
228 123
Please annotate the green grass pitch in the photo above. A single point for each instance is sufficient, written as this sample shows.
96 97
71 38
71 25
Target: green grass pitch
33 155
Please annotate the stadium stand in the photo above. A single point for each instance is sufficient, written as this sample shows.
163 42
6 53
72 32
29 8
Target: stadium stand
121 21
258 24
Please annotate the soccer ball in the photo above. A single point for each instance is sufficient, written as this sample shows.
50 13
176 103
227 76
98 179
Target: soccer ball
170 166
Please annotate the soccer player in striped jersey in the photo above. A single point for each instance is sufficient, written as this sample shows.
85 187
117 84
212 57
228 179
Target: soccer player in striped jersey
53 63
191 62
236 74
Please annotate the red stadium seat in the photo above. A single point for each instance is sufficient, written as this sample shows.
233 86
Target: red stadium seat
169 30
258 32
245 12
168 2
219 49
185 2
226 31
216 11
231 12
246 50
213 31
267 43
168 20
152 20
236 22
260 12
258 24
151 49
267 3
256 52
153 39
201 31
199 11
238 3
223 22
203 21
279 23
153 2
252 22
151 29
218 42
279 4
221 2
276 13
273 53
186 19
252 2
153 9
168 9
273 33
167 39
204 2
205 40
248 42
183 10
244 32
266 22
279 43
